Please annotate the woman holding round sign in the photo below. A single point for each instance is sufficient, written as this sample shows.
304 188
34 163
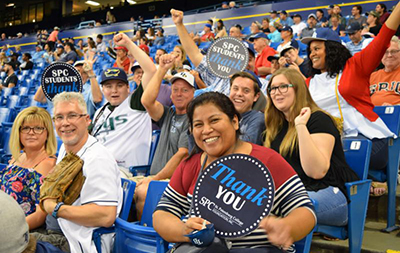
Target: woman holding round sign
33 134
239 199
308 138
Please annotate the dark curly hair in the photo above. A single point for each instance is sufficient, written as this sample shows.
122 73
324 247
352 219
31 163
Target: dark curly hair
335 58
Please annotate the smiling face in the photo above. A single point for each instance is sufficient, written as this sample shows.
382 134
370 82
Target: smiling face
318 55
181 94
213 131
242 94
32 140
283 101
291 55
115 91
391 59
73 133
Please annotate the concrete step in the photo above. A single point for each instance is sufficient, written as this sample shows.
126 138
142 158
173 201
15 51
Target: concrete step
377 208
374 241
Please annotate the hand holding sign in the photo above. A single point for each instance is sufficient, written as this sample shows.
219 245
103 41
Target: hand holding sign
177 16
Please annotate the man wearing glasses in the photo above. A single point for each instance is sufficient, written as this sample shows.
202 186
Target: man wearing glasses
357 41
385 83
100 198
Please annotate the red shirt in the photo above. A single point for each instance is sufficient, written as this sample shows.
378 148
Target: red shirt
354 82
262 59
207 36
126 63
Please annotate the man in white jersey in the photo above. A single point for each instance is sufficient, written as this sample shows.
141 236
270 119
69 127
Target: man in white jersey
100 198
122 125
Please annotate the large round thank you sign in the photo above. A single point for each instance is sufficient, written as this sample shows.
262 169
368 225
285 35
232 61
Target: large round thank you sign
234 193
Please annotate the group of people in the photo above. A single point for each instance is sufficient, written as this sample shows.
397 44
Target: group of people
290 114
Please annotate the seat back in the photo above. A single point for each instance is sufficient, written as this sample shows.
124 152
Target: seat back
391 116
12 101
358 153
128 188
6 132
154 142
154 194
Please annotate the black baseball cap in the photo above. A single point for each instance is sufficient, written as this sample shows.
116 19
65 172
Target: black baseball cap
114 74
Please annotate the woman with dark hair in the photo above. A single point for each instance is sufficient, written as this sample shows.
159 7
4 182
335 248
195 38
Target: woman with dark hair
308 139
382 10
214 123
220 30
339 84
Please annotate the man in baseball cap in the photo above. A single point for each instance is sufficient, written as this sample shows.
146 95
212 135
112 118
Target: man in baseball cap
173 144
261 45
285 19
357 41
122 60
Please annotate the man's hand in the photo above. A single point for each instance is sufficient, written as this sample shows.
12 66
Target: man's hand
177 16
90 59
121 39
145 181
167 61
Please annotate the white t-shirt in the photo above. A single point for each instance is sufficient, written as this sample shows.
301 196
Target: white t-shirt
298 28
102 187
126 132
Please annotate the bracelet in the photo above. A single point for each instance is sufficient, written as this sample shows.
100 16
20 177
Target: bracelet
94 76
55 211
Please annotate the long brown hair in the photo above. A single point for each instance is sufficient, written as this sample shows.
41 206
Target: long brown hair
274 118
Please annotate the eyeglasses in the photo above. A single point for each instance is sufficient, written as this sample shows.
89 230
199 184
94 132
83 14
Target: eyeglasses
392 52
71 118
283 88
36 129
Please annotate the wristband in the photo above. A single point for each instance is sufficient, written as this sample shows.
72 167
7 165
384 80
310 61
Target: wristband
94 76
55 211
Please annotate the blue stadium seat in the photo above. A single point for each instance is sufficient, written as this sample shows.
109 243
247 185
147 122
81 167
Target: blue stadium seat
128 188
7 114
4 147
358 153
10 101
145 169
274 45
246 30
391 116
140 237
5 92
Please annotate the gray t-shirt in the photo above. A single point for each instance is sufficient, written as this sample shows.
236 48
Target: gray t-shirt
173 136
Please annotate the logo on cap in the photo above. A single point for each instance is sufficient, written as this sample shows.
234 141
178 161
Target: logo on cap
112 72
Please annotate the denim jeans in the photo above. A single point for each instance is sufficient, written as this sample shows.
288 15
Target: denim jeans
332 206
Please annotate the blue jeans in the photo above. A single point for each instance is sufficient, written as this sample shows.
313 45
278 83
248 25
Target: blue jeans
332 206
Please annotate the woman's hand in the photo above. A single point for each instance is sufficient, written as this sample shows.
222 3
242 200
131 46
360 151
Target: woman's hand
194 223
278 231
121 39
303 117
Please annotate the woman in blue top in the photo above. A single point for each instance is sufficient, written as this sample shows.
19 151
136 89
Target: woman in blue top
32 145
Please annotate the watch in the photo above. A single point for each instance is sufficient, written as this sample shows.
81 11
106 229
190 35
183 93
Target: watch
55 211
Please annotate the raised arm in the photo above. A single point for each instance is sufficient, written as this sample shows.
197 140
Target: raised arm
315 149
90 59
187 42
145 62
39 96
393 20
149 97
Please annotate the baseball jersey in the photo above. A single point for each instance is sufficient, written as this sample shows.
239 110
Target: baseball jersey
125 131
102 187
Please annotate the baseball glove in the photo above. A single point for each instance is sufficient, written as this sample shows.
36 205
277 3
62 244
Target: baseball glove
65 182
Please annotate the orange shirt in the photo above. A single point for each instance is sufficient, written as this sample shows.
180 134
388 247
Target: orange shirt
385 87
262 59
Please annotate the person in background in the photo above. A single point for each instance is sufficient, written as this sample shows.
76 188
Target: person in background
11 79
71 56
309 140
275 35
26 64
220 30
255 28
38 54
357 41
298 25
273 17
321 19
100 44
160 39
59 53
356 12
236 32
33 147
122 60
53 37
208 34
383 13
338 11
214 123
287 38
262 65
285 20
374 25
312 25
384 83
336 26
289 58
265 26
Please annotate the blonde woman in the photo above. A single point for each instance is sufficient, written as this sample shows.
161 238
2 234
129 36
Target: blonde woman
308 139
33 146
180 54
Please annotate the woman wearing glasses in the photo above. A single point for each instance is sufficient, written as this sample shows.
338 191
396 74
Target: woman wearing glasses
32 145
339 84
308 138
